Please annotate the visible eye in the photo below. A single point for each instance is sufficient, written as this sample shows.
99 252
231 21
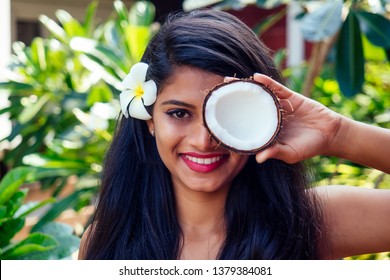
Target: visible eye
179 113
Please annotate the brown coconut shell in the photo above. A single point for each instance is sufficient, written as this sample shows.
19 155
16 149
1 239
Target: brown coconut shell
235 149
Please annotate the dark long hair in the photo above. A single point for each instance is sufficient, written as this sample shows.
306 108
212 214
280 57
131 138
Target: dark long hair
269 212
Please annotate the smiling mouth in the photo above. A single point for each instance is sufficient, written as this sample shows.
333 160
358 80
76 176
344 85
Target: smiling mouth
204 160
204 163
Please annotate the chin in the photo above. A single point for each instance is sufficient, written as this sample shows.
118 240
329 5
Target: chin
207 187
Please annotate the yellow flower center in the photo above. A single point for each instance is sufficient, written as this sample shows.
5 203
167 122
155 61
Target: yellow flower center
139 91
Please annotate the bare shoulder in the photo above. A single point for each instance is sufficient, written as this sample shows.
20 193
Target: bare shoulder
357 220
83 243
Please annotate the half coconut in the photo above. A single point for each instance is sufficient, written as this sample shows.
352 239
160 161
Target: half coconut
242 115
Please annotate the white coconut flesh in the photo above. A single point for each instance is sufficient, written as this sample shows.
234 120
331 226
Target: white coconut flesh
242 116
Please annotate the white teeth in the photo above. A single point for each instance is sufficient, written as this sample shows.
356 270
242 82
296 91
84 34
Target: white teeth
204 160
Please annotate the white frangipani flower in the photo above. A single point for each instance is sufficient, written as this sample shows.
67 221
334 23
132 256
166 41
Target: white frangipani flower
137 93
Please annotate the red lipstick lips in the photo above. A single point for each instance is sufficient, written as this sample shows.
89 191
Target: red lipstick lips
203 163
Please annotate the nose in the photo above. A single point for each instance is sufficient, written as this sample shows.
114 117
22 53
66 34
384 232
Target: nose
201 139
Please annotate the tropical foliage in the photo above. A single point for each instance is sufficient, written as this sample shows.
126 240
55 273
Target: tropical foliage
63 100
49 241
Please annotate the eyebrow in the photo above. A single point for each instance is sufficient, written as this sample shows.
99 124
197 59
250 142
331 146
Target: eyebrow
178 103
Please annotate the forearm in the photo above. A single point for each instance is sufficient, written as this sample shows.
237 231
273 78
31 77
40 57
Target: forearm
362 143
357 220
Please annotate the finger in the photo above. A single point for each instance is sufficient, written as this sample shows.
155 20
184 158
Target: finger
280 90
280 152
268 153
287 107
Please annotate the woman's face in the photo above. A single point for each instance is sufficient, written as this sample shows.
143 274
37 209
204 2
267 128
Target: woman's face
196 162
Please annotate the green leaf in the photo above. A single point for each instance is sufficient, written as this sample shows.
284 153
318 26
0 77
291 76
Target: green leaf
95 67
16 86
323 23
19 49
349 57
60 207
56 30
27 248
31 206
30 112
69 82
41 173
111 57
12 181
83 44
372 52
142 13
137 39
16 130
107 55
8 109
34 131
387 51
8 230
121 11
112 36
15 202
3 212
90 17
38 53
38 160
71 26
376 27
279 57
269 21
68 243
99 93
56 229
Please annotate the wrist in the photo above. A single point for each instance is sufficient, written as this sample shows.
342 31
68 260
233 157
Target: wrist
340 141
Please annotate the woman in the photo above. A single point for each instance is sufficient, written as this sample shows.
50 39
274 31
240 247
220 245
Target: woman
169 191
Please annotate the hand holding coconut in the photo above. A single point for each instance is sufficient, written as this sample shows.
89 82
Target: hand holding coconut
311 129
308 126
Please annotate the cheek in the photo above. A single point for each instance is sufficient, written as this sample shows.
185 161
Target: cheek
162 128
169 131
239 162
167 136
165 148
